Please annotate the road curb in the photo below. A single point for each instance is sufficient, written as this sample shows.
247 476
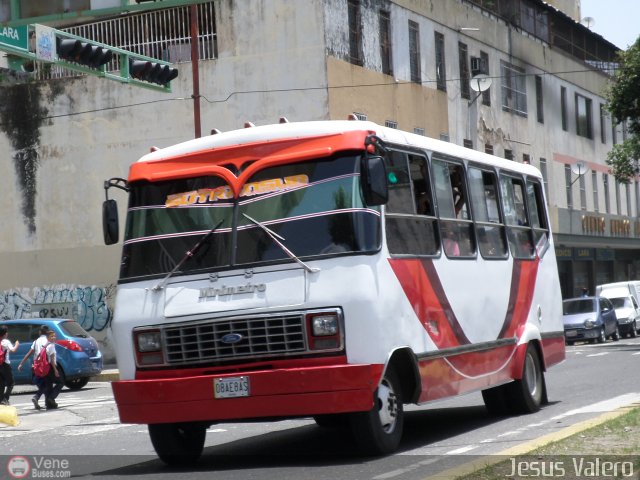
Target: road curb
111 375
527 447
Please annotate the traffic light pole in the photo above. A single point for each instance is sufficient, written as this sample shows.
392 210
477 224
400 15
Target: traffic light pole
195 71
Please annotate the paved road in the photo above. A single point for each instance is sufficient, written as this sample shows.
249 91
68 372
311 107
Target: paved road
86 431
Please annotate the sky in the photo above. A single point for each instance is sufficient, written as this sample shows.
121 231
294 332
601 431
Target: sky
618 21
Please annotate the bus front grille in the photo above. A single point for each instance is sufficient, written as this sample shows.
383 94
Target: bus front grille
235 338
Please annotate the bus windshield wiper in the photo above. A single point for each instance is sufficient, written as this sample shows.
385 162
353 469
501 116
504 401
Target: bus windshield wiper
276 239
187 255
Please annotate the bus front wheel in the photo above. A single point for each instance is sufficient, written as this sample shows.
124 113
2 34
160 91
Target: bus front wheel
526 394
378 431
178 443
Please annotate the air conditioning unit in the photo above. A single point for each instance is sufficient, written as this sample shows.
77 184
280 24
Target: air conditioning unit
479 65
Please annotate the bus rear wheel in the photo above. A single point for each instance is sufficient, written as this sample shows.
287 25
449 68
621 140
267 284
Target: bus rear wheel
378 431
178 443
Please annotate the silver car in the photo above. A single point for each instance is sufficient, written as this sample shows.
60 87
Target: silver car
589 318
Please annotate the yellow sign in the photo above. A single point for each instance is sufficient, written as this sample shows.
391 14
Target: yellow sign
209 195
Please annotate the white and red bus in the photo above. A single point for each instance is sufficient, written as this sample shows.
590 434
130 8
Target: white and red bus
330 269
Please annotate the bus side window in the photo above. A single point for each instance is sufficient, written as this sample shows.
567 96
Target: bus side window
537 216
483 188
409 220
518 230
458 239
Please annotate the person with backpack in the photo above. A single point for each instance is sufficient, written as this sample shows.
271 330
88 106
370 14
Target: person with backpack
6 375
53 382
37 346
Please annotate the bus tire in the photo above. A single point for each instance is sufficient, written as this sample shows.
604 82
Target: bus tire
526 394
178 443
495 399
379 431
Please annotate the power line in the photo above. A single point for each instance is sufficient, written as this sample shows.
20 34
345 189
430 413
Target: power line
297 89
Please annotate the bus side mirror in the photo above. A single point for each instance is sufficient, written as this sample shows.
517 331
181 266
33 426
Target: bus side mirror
110 222
374 181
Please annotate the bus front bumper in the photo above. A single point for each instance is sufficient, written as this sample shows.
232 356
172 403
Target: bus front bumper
291 392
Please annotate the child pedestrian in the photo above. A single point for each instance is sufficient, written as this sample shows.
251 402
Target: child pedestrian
38 344
6 375
53 380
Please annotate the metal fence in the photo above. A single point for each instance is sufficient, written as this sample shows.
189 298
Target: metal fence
163 34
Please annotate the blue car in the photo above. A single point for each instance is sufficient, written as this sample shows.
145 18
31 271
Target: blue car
77 352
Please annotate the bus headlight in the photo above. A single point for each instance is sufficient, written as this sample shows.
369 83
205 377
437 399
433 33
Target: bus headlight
324 330
325 325
148 345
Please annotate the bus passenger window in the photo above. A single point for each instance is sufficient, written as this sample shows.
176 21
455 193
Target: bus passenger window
518 232
483 188
537 215
457 232
410 221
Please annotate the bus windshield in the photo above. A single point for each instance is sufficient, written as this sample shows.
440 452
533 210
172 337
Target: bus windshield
315 207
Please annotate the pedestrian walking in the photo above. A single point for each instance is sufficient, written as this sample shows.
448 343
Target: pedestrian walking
53 381
38 344
6 375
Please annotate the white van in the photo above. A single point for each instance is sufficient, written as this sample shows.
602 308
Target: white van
625 297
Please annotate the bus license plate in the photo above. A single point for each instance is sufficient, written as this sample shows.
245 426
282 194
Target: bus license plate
231 387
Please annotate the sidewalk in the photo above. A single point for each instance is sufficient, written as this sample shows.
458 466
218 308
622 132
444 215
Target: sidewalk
109 374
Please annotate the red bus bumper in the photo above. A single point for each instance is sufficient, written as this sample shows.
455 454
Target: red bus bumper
287 392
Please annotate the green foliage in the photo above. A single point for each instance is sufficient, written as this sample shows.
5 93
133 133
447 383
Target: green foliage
623 98
623 159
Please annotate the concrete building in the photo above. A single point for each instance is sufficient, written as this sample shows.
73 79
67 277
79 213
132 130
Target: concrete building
411 64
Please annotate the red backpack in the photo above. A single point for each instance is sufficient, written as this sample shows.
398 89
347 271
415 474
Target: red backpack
3 355
41 365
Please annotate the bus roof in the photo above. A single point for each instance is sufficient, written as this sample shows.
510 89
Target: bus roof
300 130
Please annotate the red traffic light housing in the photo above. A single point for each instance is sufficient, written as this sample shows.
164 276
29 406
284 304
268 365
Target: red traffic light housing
152 72
83 53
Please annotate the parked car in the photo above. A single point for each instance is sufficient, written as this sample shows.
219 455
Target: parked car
589 318
627 313
78 356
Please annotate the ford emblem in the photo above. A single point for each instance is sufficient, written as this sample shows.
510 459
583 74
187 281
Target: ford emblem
231 338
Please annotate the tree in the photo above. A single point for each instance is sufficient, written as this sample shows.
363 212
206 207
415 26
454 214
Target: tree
623 96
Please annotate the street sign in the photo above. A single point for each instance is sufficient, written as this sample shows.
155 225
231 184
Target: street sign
16 37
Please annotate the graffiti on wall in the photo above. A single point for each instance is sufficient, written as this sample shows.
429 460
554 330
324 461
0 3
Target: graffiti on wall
89 306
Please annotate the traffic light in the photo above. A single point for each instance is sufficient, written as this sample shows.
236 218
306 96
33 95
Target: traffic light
82 53
151 71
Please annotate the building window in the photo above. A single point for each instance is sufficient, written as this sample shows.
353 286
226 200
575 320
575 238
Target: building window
486 95
543 171
414 52
567 183
441 70
463 59
563 109
391 124
603 123
508 154
583 192
467 143
385 43
514 90
419 131
584 126
594 185
488 148
539 100
614 131
355 32
607 201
